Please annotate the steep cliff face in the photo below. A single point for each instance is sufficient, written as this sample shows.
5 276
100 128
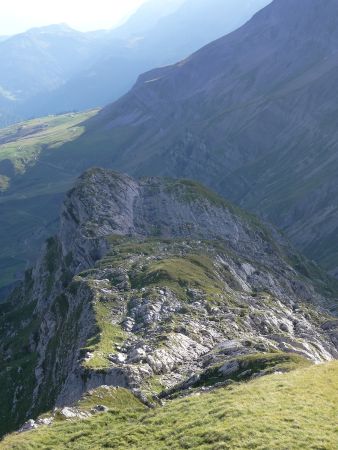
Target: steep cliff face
153 285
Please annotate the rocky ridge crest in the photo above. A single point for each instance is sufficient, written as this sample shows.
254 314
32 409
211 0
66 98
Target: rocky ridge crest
158 286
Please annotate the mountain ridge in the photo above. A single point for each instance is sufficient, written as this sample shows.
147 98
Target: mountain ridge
152 281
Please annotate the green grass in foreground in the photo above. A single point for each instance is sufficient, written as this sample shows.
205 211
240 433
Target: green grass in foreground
291 411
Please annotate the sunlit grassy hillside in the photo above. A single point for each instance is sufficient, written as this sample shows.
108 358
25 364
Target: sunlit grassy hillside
297 410
24 212
21 144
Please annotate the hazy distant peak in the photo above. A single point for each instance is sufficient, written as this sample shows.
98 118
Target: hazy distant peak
53 29
147 15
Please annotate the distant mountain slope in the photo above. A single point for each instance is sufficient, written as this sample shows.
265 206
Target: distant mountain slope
56 69
42 59
252 115
38 61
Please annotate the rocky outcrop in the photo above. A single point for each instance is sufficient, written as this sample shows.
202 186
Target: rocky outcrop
148 283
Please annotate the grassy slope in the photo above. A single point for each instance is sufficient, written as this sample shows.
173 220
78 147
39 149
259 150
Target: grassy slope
24 211
297 410
22 143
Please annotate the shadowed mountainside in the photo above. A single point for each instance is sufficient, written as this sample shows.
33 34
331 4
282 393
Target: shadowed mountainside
251 115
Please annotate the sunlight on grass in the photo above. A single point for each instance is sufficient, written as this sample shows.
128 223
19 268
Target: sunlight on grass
103 343
24 142
297 410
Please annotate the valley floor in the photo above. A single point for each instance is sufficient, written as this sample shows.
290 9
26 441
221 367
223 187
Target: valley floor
296 410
